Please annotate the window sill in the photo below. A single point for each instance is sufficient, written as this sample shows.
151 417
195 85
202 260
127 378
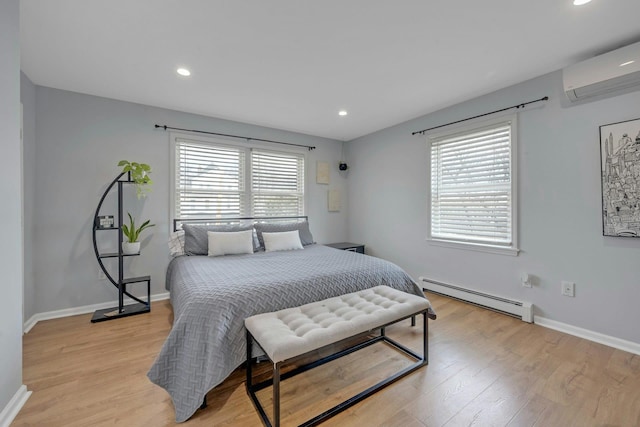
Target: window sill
500 250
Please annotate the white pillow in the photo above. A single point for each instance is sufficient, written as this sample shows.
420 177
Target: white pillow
284 241
176 243
230 242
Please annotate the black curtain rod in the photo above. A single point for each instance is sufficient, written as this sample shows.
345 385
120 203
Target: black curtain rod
248 138
546 98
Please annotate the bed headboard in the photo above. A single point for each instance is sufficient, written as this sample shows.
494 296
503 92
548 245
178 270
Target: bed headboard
177 222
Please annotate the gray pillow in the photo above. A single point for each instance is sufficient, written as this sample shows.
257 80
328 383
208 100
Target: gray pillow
196 240
275 227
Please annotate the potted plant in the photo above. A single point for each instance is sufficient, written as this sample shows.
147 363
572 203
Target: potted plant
131 232
139 174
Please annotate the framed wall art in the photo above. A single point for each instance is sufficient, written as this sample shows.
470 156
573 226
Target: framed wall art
322 172
333 199
620 170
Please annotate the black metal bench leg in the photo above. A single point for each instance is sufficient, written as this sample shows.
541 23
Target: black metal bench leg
425 338
204 402
413 320
249 361
276 394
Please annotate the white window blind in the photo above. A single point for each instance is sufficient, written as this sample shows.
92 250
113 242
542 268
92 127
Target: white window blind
209 180
471 186
277 183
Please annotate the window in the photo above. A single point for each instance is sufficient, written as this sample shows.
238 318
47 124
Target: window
277 184
214 179
473 187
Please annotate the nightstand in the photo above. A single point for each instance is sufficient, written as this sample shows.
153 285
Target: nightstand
346 246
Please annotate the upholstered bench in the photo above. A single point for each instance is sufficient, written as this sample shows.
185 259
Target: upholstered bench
291 334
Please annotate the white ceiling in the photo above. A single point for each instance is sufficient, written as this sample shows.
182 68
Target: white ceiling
292 64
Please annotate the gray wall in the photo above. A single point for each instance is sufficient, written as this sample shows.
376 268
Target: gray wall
560 210
28 99
80 139
10 194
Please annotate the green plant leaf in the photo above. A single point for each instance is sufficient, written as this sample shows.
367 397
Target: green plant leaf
125 231
131 232
139 174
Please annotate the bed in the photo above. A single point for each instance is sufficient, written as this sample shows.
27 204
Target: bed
211 297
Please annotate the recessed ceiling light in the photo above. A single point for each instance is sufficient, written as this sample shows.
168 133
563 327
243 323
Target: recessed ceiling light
183 72
627 63
342 113
580 2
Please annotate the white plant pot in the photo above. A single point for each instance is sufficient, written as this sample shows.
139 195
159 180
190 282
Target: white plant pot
129 248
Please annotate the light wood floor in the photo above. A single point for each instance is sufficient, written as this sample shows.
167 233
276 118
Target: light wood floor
485 369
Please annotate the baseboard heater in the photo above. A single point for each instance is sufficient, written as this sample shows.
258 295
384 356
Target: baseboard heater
521 310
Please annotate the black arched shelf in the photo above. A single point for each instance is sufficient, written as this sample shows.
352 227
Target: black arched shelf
117 279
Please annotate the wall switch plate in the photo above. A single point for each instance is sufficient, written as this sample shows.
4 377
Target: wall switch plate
568 289
525 280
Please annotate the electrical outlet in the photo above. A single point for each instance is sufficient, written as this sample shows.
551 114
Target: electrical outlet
101 275
568 289
525 280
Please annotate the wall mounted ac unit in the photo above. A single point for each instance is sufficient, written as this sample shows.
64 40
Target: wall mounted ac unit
615 71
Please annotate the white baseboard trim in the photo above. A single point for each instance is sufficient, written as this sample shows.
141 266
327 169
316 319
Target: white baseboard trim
614 342
16 403
81 310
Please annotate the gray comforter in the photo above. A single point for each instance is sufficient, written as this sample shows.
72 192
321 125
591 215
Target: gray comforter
211 297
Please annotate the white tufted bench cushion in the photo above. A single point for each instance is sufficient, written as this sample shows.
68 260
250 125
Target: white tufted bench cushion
291 332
